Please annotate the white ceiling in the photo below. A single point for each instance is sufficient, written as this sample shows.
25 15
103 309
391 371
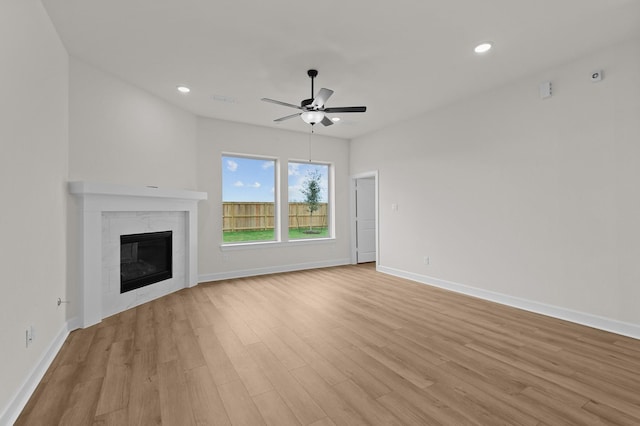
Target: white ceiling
399 58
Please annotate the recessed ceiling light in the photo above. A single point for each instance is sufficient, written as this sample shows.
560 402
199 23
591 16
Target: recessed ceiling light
183 89
335 119
483 47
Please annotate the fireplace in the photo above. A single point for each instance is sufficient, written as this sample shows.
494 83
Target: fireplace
108 211
145 259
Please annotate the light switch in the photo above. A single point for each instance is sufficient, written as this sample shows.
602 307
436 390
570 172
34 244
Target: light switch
545 89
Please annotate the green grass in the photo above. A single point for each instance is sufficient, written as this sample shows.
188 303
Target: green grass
299 234
269 235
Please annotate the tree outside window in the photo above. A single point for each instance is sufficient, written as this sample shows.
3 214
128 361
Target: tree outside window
308 200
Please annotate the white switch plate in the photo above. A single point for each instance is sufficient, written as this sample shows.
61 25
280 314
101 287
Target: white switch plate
545 89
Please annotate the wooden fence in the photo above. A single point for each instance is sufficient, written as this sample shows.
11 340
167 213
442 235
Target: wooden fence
260 216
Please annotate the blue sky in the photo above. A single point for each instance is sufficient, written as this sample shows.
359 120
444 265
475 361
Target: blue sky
249 179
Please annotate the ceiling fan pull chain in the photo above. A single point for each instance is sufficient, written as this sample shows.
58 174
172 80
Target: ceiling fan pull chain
310 134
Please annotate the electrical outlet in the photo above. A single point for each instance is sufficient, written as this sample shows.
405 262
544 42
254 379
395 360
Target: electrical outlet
426 260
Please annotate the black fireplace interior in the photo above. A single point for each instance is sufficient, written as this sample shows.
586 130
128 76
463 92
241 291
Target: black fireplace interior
145 259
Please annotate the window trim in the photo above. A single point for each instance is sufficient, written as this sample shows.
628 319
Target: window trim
330 199
276 198
281 227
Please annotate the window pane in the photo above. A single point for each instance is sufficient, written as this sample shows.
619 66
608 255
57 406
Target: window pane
308 200
248 199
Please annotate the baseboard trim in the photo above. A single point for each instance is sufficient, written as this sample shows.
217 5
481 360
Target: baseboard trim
219 276
15 407
582 318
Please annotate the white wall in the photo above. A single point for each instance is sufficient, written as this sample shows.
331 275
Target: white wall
122 134
33 174
216 137
521 197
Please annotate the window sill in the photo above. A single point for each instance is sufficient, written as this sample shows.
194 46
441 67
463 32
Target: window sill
267 244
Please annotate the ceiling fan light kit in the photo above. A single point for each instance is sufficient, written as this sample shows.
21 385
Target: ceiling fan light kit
312 117
313 110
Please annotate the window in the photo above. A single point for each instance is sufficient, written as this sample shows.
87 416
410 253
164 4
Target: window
248 199
308 201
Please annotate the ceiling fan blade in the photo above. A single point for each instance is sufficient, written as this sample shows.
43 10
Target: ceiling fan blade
288 117
322 97
273 101
327 121
346 109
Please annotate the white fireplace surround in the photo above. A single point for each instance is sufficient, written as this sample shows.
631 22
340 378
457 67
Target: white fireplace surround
106 208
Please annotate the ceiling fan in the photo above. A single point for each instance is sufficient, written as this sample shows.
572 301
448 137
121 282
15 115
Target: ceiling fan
313 110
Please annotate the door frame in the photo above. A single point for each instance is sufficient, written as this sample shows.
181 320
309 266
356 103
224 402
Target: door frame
352 196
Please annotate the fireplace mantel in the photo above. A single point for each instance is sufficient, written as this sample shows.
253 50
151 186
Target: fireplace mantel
100 199
109 189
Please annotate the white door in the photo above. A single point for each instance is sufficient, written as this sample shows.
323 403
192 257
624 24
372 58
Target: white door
366 220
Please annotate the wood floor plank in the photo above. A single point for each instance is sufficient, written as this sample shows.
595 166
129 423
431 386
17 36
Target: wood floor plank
82 403
116 384
608 415
401 368
295 396
144 396
239 326
336 346
327 398
285 354
239 405
187 345
220 366
125 328
557 411
175 407
163 318
196 304
366 406
95 364
411 414
208 408
310 356
144 336
114 418
351 369
273 409
252 376
323 422
77 347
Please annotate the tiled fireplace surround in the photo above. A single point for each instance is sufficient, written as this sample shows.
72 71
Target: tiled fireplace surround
108 211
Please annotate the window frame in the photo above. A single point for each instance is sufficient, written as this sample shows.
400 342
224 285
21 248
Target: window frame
330 200
281 192
276 198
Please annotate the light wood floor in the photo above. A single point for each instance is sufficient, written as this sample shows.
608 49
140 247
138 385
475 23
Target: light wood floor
342 346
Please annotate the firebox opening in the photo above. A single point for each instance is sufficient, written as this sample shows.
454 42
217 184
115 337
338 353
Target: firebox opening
145 259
